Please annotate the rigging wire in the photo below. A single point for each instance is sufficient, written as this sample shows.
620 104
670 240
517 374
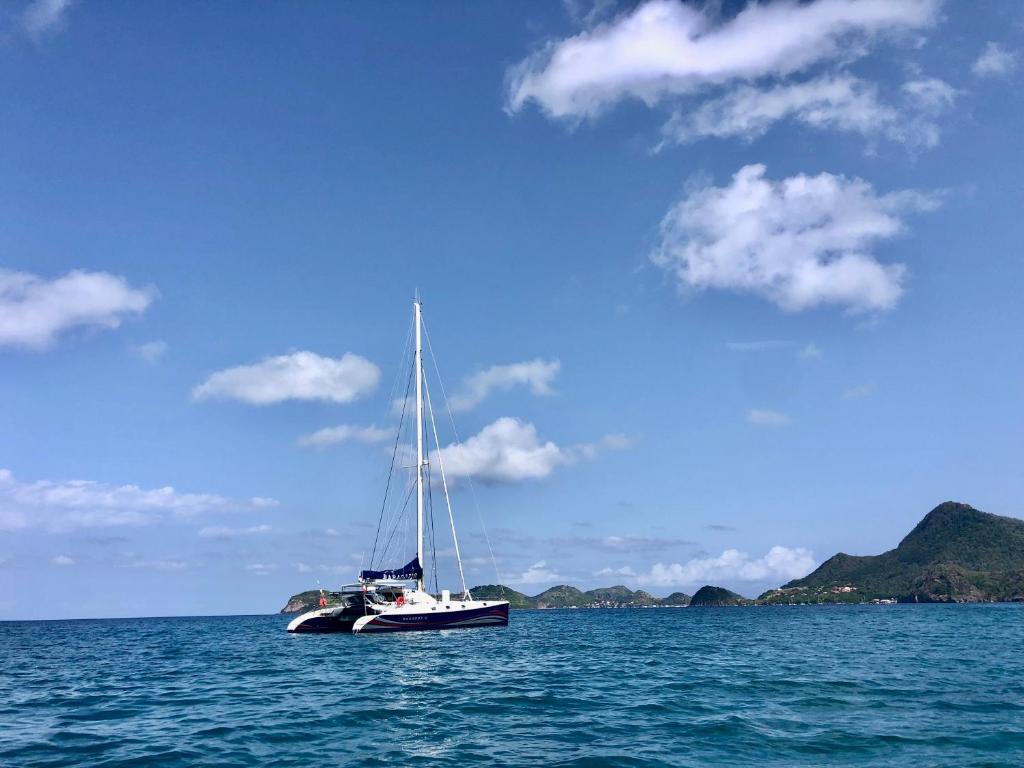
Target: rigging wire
447 497
394 455
469 480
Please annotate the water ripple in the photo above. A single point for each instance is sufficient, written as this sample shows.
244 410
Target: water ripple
837 686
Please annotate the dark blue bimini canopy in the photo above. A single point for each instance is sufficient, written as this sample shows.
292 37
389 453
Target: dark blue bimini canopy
408 572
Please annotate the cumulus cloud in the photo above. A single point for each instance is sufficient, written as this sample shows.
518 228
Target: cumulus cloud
538 573
346 433
506 451
766 418
510 451
664 48
223 532
800 242
35 311
42 17
62 560
535 374
994 61
71 504
779 564
298 376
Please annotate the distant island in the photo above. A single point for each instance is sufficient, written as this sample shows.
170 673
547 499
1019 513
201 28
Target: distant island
956 554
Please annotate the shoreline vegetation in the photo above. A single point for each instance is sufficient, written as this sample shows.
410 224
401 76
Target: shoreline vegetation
956 554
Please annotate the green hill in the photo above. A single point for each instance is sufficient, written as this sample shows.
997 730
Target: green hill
562 596
500 592
676 598
717 596
955 554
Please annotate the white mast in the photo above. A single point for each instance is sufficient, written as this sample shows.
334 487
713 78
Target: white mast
419 442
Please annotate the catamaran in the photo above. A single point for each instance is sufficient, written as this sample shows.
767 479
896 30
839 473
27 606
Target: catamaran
397 599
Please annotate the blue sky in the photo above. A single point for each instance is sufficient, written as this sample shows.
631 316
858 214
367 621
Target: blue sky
718 291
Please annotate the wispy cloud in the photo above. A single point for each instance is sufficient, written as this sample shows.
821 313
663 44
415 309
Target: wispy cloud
538 573
297 376
224 532
994 61
809 352
624 570
152 351
537 375
757 346
664 48
860 391
62 560
161 564
800 242
261 569
36 311
72 504
766 418
43 17
830 102
779 564
347 433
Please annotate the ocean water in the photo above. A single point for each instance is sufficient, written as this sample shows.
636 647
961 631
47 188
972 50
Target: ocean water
927 685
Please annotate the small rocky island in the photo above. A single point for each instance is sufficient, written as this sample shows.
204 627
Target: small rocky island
956 554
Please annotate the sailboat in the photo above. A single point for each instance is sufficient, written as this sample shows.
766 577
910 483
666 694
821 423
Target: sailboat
397 599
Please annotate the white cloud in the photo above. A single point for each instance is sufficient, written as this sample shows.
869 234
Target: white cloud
860 391
223 532
347 432
623 571
506 451
994 61
538 573
152 351
779 564
844 103
931 94
303 568
535 374
261 569
71 504
509 451
62 560
44 16
612 442
664 48
767 418
298 376
830 102
800 242
5 559
35 311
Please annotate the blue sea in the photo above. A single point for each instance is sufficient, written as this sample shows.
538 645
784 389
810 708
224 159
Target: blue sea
921 686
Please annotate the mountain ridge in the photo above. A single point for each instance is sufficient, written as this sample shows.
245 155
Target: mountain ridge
956 553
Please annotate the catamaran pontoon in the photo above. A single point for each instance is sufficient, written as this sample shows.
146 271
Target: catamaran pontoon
396 600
